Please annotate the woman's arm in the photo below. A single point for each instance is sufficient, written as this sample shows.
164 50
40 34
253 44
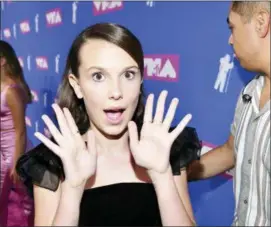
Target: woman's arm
182 187
172 207
17 107
46 203
59 208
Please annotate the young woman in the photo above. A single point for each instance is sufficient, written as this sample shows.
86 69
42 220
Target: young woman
15 204
113 163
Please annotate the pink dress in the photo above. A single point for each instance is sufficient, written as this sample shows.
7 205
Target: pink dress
16 206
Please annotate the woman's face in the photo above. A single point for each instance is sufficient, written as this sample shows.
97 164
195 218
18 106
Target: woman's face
109 83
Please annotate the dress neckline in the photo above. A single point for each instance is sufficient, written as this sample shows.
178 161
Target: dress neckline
120 184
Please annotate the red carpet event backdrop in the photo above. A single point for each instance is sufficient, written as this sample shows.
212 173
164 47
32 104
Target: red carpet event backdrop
186 52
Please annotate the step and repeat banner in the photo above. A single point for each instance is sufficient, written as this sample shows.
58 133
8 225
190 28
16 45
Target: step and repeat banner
186 52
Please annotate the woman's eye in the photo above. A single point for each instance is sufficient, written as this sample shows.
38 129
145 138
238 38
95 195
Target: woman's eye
97 76
129 75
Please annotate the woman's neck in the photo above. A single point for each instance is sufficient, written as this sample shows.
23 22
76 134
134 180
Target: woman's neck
106 144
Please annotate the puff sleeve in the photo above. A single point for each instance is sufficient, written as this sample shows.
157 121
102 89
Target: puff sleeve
40 166
185 149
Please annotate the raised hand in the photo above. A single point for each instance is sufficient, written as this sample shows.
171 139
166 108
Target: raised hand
79 161
152 150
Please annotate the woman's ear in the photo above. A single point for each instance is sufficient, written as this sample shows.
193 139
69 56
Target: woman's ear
75 85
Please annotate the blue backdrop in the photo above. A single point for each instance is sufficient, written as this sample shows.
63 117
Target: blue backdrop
186 52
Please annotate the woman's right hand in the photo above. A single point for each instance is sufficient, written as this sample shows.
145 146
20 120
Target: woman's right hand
79 160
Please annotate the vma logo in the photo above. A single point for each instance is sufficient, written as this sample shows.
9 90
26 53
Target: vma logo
20 59
161 67
25 27
7 33
42 63
54 17
102 7
35 96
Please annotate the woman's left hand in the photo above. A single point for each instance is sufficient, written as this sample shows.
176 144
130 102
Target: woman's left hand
14 176
152 150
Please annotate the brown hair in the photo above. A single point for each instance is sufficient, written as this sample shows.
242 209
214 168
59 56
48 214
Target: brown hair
13 67
246 9
113 33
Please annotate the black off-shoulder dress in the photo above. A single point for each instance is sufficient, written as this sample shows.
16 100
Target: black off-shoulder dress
120 204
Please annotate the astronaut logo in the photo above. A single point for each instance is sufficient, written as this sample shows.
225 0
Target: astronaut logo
74 12
223 76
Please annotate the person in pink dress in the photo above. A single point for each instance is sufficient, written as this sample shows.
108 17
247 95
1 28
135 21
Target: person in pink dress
16 206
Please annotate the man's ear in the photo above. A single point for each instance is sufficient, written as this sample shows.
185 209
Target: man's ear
263 23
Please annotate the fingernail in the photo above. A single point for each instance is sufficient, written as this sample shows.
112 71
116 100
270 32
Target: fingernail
176 100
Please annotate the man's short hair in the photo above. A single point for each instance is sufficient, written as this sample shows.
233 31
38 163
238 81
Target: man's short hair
247 9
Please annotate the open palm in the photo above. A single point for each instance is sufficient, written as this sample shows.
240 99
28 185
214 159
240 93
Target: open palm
79 161
152 150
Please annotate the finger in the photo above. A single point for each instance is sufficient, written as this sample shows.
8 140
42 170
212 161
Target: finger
176 132
148 109
91 143
133 135
171 113
53 129
159 114
73 127
48 143
62 122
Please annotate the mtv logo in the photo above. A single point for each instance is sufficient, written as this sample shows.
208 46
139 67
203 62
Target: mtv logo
161 67
25 27
102 7
7 33
54 17
42 63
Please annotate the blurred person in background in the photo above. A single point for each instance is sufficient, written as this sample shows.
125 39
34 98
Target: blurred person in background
15 204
